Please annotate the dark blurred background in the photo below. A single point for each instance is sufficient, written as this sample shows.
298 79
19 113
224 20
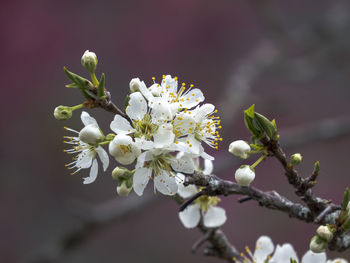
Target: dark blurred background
289 58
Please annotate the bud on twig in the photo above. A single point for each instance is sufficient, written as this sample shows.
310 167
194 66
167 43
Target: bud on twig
120 173
240 149
89 61
123 189
325 233
135 85
244 175
63 112
318 245
296 159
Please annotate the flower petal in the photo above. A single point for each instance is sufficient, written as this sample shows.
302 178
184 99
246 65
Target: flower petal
143 144
201 112
185 191
137 106
190 216
183 165
283 254
87 119
103 156
93 173
145 91
140 180
214 217
208 167
165 183
338 260
161 110
85 159
164 136
264 247
192 98
311 257
120 125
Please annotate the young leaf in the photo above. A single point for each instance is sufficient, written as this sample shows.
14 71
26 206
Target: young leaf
267 126
101 86
346 199
250 111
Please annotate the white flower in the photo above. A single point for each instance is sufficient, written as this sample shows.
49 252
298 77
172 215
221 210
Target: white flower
158 164
89 61
244 175
240 149
123 149
86 152
213 216
324 232
283 254
199 125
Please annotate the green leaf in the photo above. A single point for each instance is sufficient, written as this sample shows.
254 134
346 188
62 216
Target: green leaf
346 225
316 167
81 82
72 86
346 199
250 111
267 125
101 86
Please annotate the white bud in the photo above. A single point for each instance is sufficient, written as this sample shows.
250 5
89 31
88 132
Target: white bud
135 85
240 149
123 149
123 189
244 175
90 134
325 233
318 245
63 112
89 61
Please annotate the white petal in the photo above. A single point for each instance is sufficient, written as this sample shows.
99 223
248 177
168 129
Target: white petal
87 119
120 125
183 165
144 157
311 257
283 254
165 183
103 156
143 144
93 173
137 106
171 83
145 91
184 191
203 111
208 167
85 159
338 260
264 247
190 216
192 98
214 217
161 110
140 180
164 136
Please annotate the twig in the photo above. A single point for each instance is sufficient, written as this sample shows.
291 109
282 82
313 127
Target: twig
202 240
323 214
191 200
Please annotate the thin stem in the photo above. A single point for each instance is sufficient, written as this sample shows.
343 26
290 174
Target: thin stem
94 79
76 107
262 157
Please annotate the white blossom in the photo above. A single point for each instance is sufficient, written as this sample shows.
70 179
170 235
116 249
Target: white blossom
86 147
240 149
244 175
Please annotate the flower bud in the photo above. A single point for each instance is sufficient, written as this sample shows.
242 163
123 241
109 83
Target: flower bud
325 233
244 175
318 245
123 189
135 85
240 149
89 61
295 159
119 172
90 134
63 112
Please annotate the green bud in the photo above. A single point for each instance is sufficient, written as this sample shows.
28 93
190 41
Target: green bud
296 159
269 127
318 244
63 112
110 137
123 189
120 173
89 61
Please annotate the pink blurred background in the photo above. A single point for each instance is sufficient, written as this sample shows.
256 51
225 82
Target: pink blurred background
303 47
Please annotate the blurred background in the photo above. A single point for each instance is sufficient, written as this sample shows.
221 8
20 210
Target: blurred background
291 59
